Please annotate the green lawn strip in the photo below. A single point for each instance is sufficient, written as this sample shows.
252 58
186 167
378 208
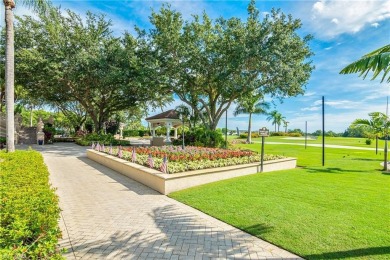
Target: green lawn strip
347 141
337 211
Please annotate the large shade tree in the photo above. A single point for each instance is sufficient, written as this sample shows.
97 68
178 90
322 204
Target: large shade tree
209 64
9 5
67 59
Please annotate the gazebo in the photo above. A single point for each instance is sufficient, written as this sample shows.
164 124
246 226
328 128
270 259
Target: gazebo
168 119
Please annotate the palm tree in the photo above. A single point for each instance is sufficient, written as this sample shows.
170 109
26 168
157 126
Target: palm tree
285 124
376 61
9 64
273 115
251 106
376 124
276 118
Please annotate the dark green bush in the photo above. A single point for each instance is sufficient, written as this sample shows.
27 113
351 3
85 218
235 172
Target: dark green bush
49 131
102 139
29 210
112 127
129 133
245 135
295 134
202 137
368 141
278 134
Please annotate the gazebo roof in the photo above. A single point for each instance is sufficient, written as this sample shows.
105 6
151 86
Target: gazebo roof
170 114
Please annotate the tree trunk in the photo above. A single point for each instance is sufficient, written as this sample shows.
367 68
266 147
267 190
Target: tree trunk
9 74
249 139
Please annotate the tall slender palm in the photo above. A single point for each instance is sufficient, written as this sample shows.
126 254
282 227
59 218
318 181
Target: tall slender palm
377 61
251 106
10 64
285 124
276 118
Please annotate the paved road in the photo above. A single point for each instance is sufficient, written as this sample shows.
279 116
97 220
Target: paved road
108 216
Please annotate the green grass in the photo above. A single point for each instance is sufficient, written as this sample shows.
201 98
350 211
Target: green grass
338 211
348 141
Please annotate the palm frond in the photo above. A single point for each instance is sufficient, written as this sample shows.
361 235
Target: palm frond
377 61
240 110
36 5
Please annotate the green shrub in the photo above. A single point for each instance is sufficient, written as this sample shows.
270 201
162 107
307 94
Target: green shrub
294 134
278 134
29 210
245 135
107 139
129 133
49 131
368 141
202 137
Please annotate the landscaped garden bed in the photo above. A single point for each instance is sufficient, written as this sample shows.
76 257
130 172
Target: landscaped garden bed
189 159
191 167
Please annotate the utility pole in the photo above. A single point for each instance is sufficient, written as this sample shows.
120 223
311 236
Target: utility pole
323 131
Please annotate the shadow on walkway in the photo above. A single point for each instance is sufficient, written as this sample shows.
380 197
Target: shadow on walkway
180 234
130 184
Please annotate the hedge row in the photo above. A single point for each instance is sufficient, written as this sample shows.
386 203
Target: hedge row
29 210
107 139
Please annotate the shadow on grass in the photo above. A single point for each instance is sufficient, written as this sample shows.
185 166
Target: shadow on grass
367 159
333 170
361 252
257 229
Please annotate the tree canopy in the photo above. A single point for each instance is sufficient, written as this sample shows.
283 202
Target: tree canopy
209 64
68 60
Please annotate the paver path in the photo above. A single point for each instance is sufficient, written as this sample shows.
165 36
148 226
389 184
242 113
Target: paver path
108 216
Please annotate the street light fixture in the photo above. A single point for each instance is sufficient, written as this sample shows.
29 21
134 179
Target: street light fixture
182 130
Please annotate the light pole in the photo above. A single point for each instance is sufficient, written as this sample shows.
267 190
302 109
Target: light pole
182 130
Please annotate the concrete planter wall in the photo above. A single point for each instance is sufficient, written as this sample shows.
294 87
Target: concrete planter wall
167 183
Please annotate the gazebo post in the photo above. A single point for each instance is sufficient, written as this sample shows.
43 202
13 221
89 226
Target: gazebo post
168 125
175 136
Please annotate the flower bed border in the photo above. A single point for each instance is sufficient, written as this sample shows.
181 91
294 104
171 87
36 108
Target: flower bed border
167 183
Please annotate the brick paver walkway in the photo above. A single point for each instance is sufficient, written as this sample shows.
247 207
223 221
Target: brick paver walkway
108 216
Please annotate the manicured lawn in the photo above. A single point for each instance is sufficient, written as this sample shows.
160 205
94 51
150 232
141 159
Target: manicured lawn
338 211
348 141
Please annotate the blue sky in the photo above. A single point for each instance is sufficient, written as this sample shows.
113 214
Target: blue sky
343 32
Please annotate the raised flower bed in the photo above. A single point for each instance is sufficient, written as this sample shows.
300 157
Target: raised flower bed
191 167
190 159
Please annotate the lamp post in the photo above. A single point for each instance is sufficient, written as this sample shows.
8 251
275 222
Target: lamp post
182 130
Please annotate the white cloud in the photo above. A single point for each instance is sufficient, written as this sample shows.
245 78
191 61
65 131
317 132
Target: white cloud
312 108
375 25
343 104
331 17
